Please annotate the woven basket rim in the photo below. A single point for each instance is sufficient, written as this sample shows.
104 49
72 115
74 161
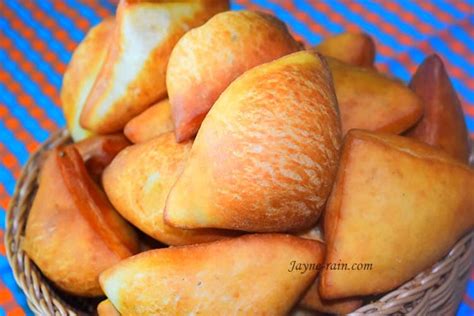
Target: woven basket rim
435 289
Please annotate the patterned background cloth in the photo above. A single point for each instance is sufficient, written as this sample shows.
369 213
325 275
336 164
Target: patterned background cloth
37 38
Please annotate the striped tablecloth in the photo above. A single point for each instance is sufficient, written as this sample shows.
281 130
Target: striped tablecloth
37 38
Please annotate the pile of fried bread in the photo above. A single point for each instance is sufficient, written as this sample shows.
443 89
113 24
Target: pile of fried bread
219 167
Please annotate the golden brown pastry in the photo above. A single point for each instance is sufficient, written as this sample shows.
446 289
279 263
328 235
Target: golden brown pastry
443 122
312 301
138 181
73 233
398 205
357 49
79 77
208 58
153 122
247 275
372 101
105 308
134 72
99 150
266 154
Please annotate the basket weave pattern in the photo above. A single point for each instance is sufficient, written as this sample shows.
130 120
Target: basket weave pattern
436 291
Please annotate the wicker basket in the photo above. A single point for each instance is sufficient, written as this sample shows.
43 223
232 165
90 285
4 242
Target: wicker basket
437 291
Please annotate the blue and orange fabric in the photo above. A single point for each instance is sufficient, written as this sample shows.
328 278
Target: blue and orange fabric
38 37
